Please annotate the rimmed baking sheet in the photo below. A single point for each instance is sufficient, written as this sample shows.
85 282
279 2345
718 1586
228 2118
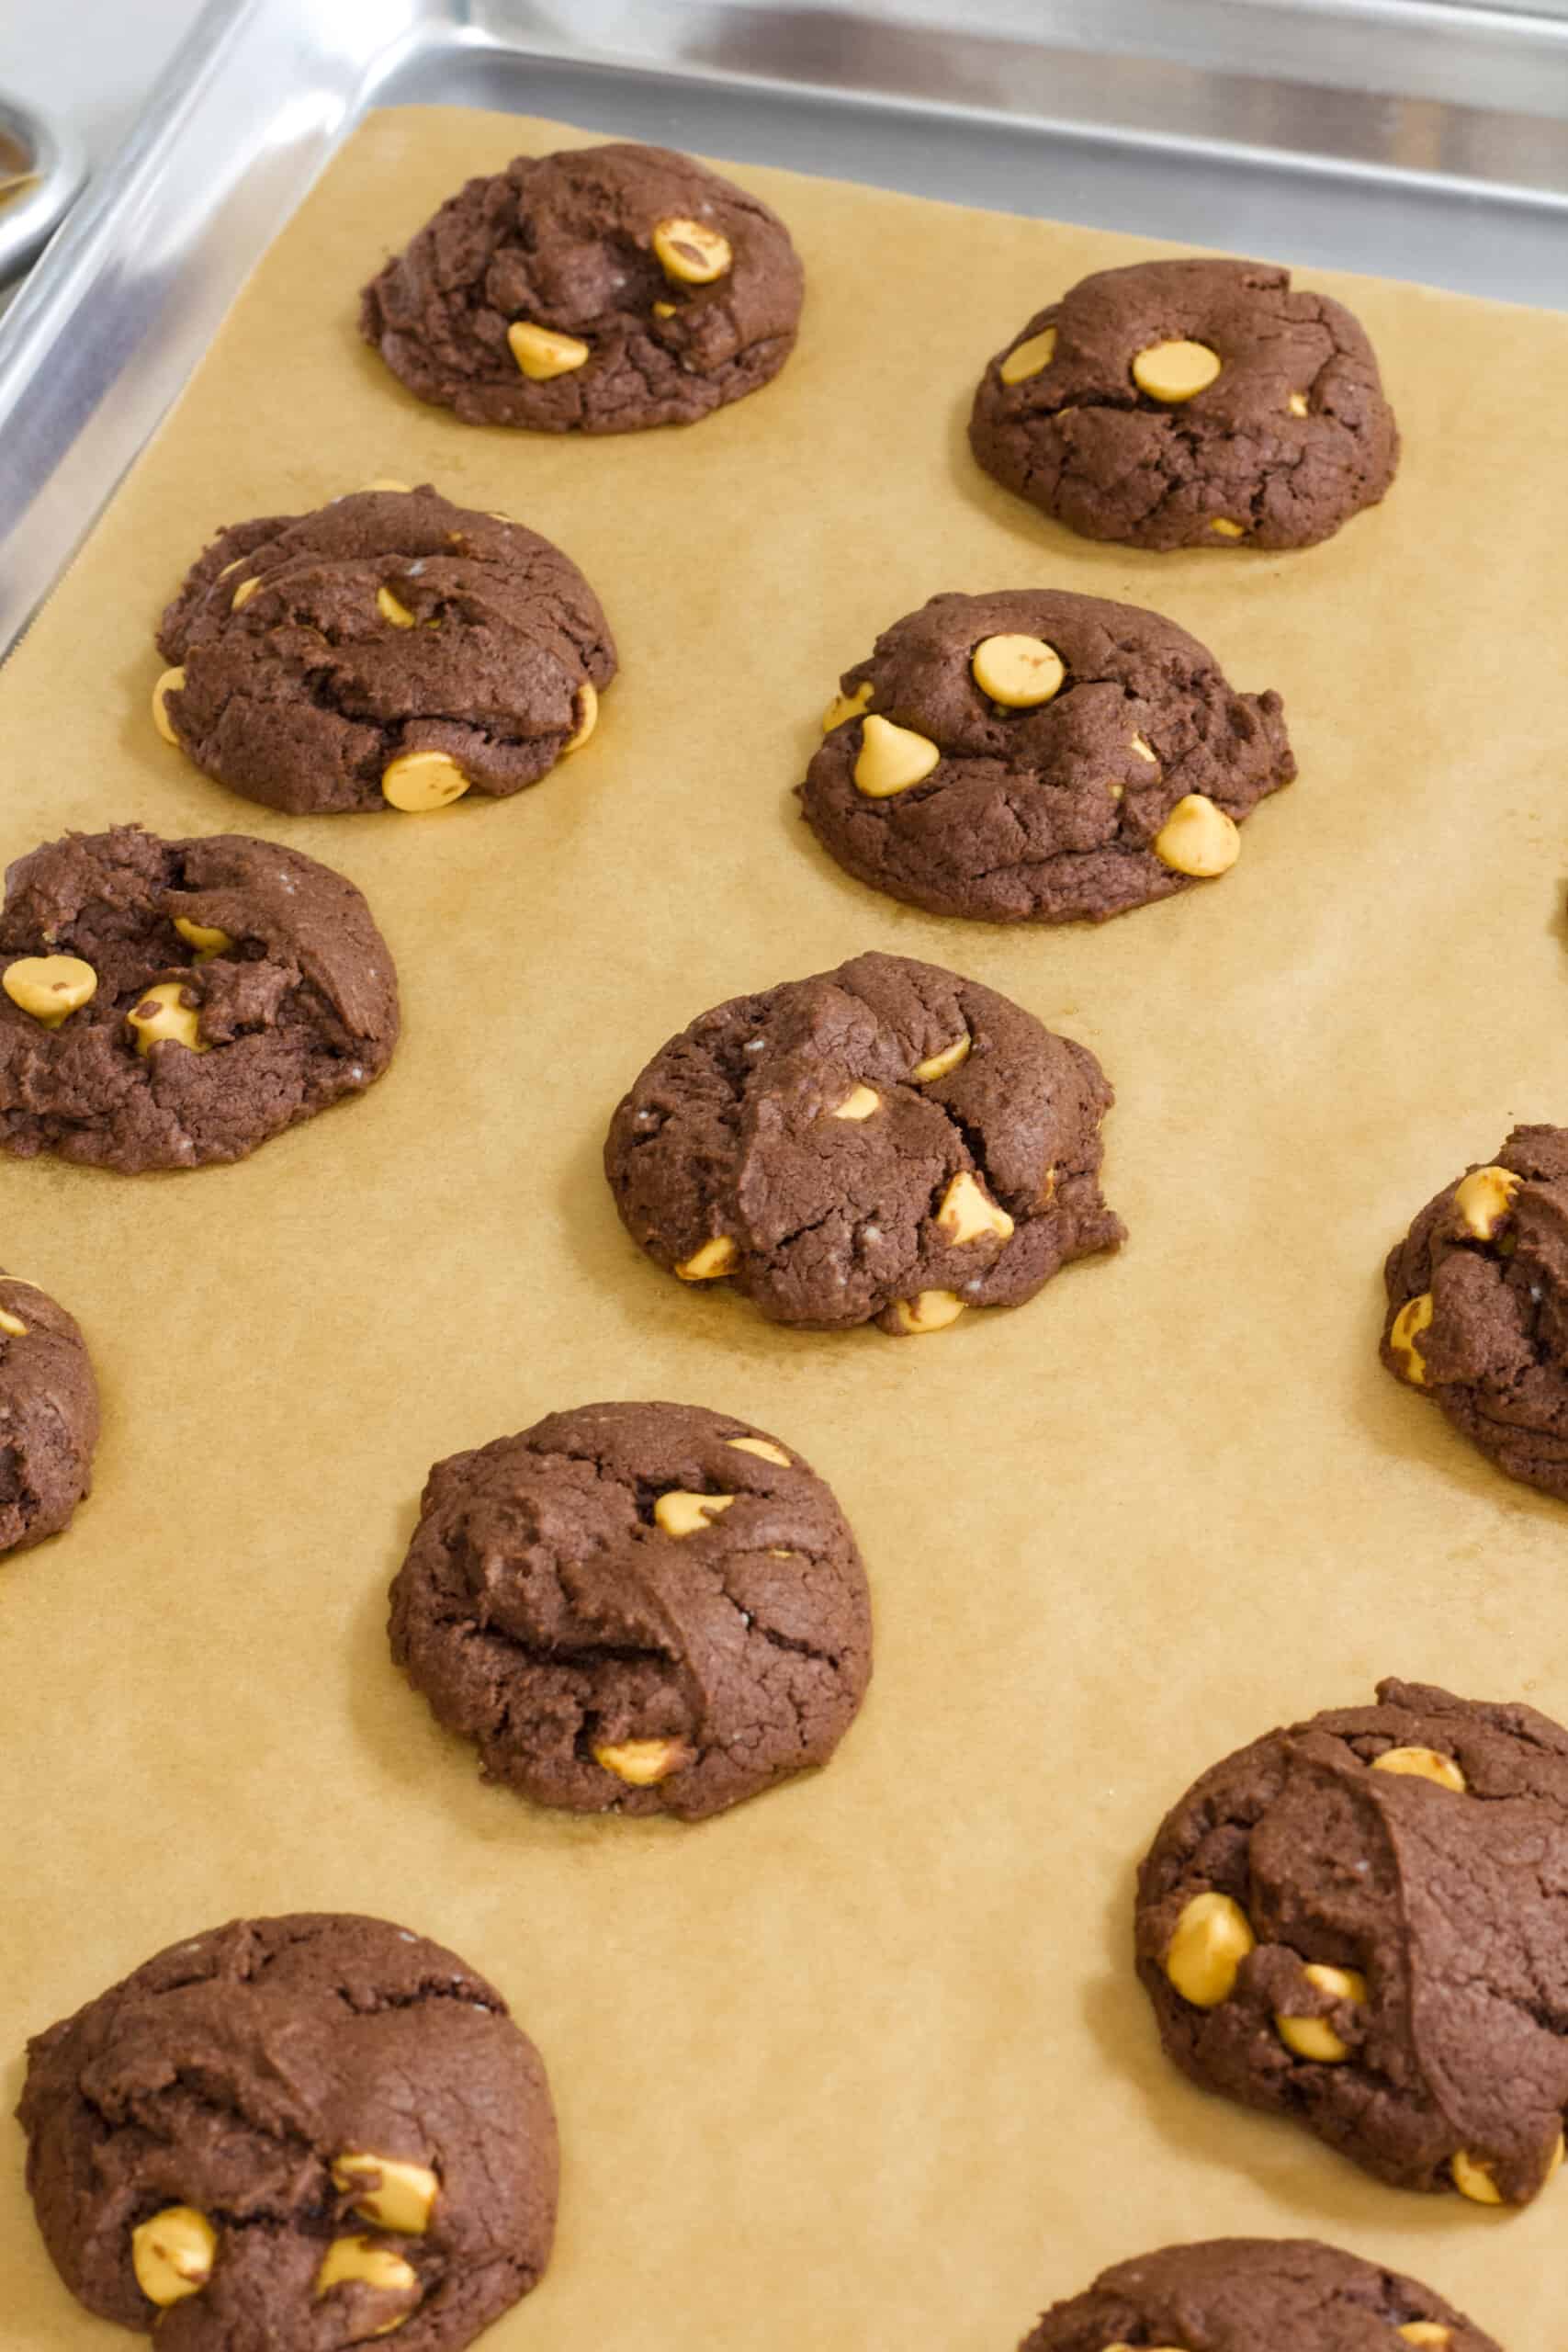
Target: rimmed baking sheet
863 2063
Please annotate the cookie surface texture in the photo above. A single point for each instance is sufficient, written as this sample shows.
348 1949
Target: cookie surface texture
307 2131
885 1141
601 289
49 1415
1477 1312
1065 802
1356 1922
635 1608
1189 404
167 1004
1255 2295
388 651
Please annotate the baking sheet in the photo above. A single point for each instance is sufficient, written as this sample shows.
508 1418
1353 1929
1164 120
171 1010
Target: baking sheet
863 2063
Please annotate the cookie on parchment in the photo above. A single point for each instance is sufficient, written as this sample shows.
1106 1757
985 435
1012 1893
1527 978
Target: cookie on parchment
312 2130
1358 1922
885 1142
1189 404
601 289
1255 2295
49 1415
387 650
1478 1307
636 1609
1036 756
167 1004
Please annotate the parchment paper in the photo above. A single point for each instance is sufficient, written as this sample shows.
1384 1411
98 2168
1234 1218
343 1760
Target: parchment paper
863 2064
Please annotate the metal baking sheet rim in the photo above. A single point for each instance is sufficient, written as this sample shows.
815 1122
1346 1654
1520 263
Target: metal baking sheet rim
58 165
109 329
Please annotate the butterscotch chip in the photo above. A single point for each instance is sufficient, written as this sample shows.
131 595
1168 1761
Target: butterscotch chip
1198 838
1314 2037
1211 1938
172 2254
1177 371
733 1130
304 1014
1029 357
643 1763
392 2191
439 633
891 758
1477 1297
967 1214
239 2219
859 1103
679 1513
1253 2295
542 354
1477 2177
1483 1198
577 252
1403 1995
708 1263
586 712
1017 671
209 939
846 706
388 608
243 595
1414 1317
1029 719
50 988
1166 406
937 1066
692 252
1473 2179
600 1666
166 1014
1422 1764
49 1415
420 781
359 2261
929 1310
764 1448
169 683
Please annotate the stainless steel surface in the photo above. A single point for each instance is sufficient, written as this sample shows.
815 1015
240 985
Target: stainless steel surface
56 168
1409 138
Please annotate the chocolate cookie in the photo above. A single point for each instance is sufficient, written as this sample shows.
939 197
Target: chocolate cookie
598 290
1255 2295
307 2132
388 651
1359 1922
1189 404
1478 1307
636 1609
49 1415
885 1141
1034 757
164 1004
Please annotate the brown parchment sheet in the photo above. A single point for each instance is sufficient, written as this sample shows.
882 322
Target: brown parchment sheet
863 2064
